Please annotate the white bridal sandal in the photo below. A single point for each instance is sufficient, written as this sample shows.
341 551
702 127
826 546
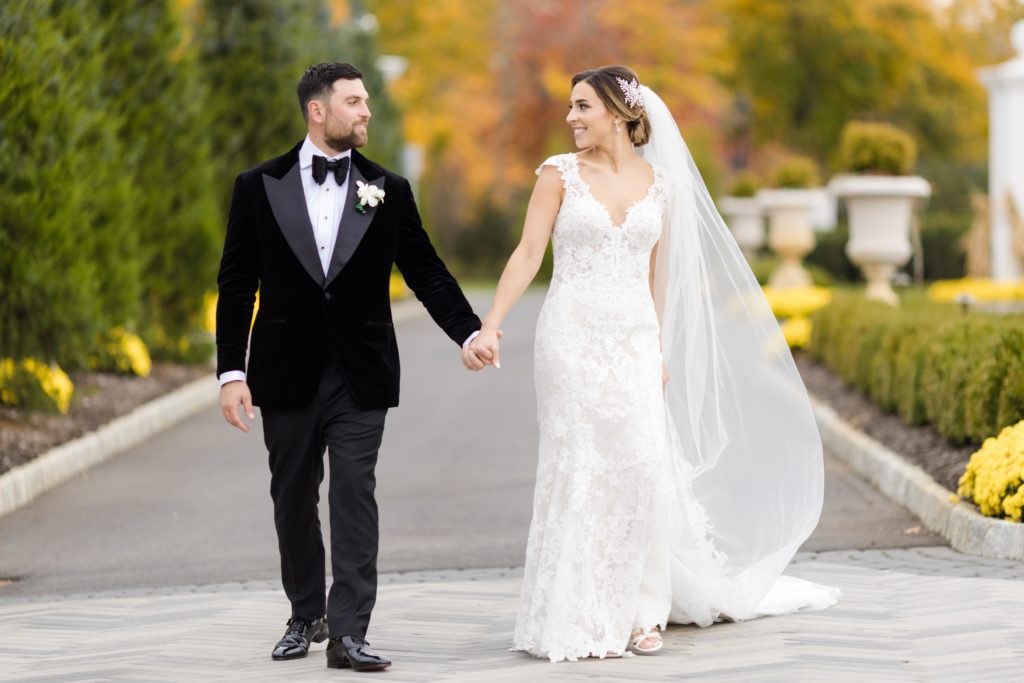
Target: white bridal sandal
638 638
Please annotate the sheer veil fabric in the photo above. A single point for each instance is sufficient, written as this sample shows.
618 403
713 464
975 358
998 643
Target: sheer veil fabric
746 452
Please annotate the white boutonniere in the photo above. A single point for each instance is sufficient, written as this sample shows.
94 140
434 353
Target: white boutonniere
369 195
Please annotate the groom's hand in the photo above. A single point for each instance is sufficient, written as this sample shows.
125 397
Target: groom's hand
232 395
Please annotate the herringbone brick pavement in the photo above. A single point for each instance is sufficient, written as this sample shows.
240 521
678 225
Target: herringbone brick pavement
923 614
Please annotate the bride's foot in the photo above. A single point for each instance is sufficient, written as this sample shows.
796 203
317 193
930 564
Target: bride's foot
645 642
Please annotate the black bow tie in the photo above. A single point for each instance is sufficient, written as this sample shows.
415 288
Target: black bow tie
321 165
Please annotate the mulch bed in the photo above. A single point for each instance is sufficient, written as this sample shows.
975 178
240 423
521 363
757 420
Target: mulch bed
98 399
923 446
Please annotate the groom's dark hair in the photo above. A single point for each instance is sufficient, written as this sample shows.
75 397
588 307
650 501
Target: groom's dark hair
319 79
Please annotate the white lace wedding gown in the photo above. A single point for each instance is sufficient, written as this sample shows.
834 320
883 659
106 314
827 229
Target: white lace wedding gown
615 543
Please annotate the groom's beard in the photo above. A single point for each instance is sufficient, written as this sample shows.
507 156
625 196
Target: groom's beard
342 140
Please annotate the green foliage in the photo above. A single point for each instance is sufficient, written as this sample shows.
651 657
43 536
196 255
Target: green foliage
121 129
829 255
745 184
989 369
941 235
796 172
252 57
944 378
68 267
809 67
155 86
483 248
1010 406
875 148
253 53
927 362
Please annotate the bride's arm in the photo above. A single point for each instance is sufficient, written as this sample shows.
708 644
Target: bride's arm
525 261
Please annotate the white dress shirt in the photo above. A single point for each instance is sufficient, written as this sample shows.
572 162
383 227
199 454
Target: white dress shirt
324 202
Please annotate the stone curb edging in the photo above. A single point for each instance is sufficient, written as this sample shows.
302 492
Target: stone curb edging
958 522
22 484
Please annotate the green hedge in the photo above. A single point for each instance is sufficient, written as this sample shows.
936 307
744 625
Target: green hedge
122 127
927 361
68 251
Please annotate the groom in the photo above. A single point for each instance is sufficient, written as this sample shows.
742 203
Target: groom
317 231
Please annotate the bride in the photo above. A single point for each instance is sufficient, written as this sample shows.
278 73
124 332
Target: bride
680 467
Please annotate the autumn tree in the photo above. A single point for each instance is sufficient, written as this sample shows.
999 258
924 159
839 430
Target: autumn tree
808 68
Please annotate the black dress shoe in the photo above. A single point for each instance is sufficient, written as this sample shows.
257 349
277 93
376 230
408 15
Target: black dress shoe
353 652
297 638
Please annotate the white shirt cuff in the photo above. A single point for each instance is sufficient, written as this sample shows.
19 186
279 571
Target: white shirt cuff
232 376
465 343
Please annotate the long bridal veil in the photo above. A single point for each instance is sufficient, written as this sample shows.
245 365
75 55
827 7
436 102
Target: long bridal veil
747 454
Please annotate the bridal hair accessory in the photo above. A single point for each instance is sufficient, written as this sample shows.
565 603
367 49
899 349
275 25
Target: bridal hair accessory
632 92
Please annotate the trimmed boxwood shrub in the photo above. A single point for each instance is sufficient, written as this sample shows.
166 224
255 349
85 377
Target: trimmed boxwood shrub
796 172
875 148
927 362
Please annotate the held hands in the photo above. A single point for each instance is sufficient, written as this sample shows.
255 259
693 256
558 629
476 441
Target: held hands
483 350
232 395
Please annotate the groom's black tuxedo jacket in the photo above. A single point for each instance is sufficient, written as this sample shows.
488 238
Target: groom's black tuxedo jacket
305 317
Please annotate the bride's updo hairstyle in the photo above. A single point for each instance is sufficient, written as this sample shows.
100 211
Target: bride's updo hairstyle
604 80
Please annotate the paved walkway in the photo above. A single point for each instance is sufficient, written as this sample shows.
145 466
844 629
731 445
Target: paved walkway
121 572
923 614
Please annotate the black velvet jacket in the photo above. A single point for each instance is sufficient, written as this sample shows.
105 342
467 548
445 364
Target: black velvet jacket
304 316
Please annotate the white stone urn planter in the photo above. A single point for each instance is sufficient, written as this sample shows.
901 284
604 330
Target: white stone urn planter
790 233
743 216
880 209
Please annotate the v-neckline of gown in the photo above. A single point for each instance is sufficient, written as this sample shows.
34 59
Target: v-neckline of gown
604 208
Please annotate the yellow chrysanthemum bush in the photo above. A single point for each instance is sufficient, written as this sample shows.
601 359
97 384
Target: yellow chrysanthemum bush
994 478
121 351
928 362
797 332
979 289
797 302
32 384
794 307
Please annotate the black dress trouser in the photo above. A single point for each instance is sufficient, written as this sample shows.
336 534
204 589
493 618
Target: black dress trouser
296 441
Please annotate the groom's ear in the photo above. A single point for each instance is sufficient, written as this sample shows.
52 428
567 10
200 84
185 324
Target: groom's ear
315 110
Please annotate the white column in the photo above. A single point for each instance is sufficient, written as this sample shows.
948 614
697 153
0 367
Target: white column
1005 84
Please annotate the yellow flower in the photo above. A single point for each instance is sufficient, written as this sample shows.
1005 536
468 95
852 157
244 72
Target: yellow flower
994 476
980 289
797 332
127 353
397 288
210 312
797 302
30 381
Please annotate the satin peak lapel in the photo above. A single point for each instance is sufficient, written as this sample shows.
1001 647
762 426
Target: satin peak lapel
288 202
353 224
